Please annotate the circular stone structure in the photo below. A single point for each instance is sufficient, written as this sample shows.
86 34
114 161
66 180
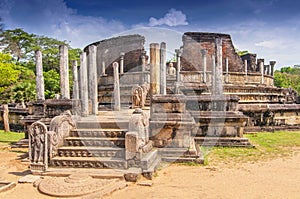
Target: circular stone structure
79 184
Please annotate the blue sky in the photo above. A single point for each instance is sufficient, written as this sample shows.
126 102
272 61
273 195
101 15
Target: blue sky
269 28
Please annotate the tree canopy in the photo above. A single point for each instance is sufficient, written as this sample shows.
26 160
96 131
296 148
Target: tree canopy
288 77
17 64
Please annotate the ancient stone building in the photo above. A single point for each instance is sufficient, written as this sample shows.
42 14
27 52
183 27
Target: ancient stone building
135 114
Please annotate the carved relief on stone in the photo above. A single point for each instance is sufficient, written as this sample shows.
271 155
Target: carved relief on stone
60 128
171 70
138 126
38 150
139 95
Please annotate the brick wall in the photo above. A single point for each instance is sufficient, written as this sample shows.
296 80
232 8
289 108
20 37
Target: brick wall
194 42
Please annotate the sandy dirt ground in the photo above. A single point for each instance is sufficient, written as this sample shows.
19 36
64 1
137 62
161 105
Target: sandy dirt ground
276 178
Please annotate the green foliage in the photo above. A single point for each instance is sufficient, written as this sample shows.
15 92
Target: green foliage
8 75
288 77
267 145
241 52
17 69
23 92
10 137
17 42
52 83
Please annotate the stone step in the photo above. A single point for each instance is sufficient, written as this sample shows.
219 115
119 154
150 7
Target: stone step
176 153
149 158
149 171
104 124
182 160
112 133
89 162
84 151
23 143
95 173
99 142
223 141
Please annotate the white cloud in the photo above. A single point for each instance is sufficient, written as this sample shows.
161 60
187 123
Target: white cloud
54 19
279 43
172 18
269 44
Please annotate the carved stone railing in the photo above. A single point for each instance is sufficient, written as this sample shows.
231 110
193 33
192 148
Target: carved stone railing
60 128
233 77
137 138
43 144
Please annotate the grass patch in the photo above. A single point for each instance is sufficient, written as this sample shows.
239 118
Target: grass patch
10 137
267 146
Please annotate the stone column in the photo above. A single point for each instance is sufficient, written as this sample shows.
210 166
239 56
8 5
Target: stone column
64 72
163 72
143 61
272 64
39 76
227 70
92 78
261 69
84 86
204 53
213 75
6 118
268 69
154 69
75 101
246 70
75 80
122 62
178 58
103 69
219 68
117 100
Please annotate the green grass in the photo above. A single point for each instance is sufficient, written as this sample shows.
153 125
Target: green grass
10 137
267 146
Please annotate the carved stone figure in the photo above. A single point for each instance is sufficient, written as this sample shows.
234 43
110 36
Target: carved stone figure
171 70
137 95
38 151
38 135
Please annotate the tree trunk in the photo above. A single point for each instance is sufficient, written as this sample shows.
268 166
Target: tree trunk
5 118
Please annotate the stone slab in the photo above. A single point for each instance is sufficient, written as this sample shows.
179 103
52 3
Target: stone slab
79 185
145 184
29 179
5 186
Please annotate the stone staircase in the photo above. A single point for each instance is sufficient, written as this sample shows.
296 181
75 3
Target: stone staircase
99 143
95 147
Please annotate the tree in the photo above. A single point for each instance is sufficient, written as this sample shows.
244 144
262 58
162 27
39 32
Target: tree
22 46
8 75
23 92
288 77
18 43
52 83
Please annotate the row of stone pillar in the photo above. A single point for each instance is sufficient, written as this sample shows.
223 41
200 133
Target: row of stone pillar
85 91
158 73
217 68
263 69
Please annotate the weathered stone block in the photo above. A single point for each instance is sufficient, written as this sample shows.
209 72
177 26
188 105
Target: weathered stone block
131 144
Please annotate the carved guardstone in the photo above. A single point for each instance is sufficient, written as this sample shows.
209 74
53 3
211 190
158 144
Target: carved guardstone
38 149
